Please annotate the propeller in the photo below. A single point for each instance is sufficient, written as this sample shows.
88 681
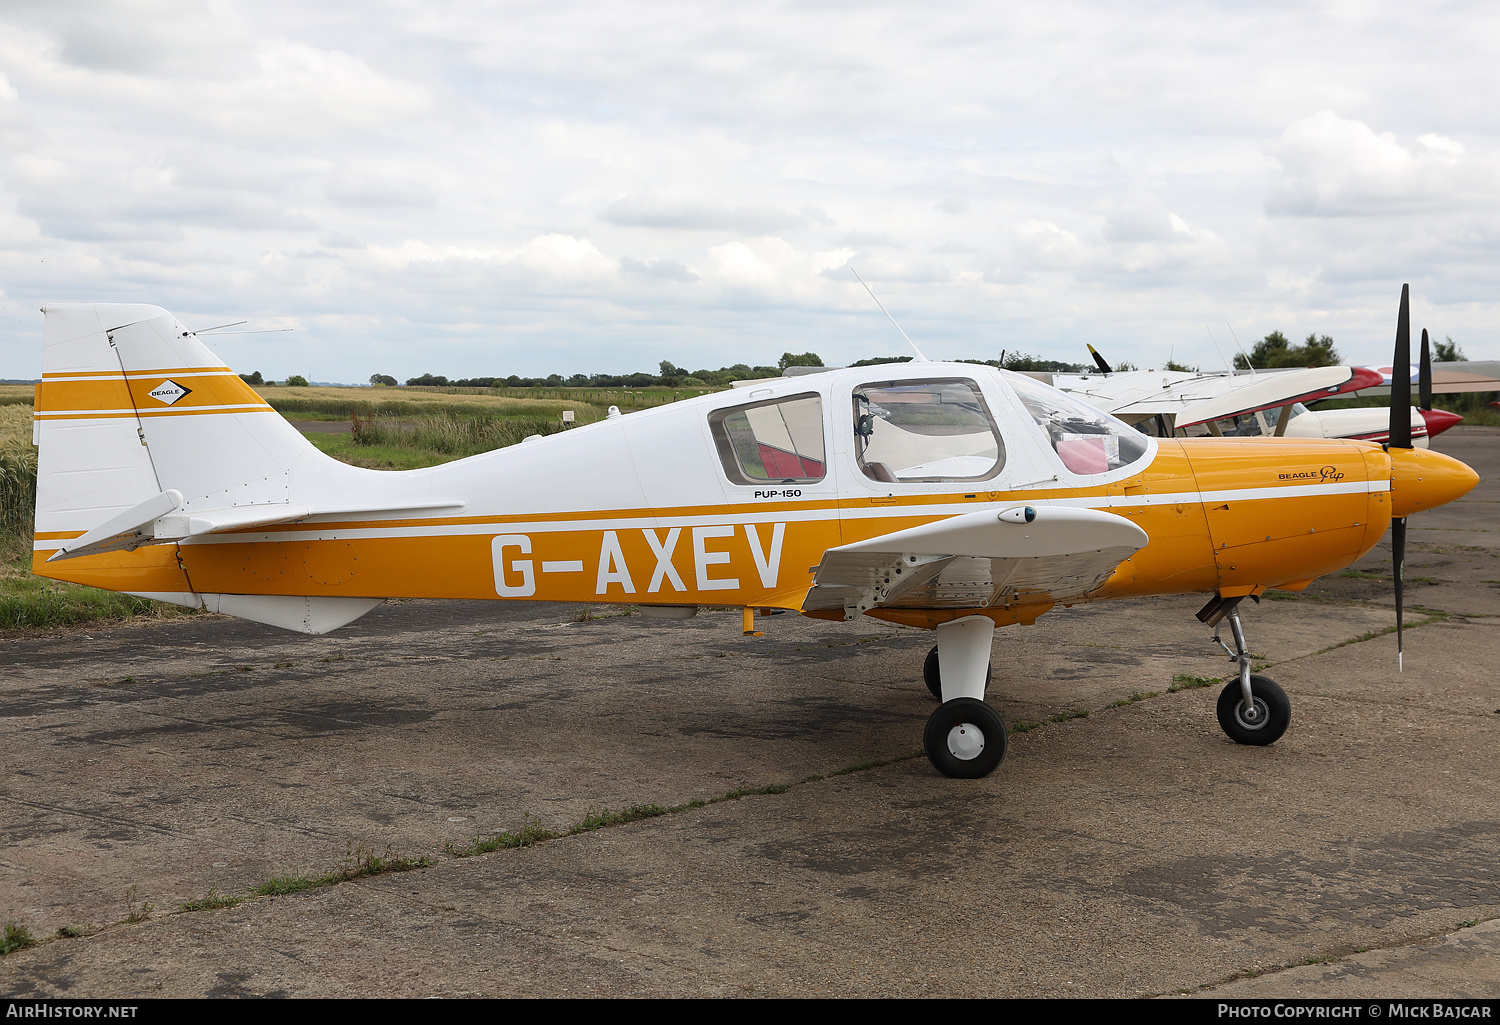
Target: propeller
1424 378
1400 437
1099 360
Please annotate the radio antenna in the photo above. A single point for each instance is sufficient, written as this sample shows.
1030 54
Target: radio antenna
920 357
258 331
1242 349
1227 365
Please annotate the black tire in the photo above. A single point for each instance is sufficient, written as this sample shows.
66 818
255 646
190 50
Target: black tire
932 675
953 727
1271 701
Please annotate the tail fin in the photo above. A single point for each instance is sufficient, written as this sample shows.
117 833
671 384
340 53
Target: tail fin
131 404
139 425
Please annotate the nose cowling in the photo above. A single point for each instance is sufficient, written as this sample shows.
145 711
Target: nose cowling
1424 479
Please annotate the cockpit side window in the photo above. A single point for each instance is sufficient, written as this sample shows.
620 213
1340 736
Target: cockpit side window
937 430
1087 440
778 440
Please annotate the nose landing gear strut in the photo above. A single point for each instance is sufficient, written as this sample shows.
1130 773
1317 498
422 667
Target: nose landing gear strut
1252 709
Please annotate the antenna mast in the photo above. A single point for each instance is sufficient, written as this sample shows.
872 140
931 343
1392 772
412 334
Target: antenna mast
920 357
1242 350
1227 365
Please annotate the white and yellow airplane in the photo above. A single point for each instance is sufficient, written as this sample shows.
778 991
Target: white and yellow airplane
941 495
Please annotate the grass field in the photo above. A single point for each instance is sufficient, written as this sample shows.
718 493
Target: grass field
320 402
28 601
390 443
12 394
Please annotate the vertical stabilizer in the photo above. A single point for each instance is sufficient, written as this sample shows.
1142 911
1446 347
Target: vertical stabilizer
138 423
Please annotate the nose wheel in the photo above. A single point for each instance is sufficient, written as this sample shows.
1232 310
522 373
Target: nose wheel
1261 722
1252 709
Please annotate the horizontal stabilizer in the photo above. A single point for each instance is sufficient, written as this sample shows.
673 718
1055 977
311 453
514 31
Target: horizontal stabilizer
216 521
159 520
129 529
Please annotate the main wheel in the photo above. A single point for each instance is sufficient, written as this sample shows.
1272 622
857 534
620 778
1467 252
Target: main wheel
965 738
932 674
1273 712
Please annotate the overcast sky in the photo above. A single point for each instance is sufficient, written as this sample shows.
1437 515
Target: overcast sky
498 188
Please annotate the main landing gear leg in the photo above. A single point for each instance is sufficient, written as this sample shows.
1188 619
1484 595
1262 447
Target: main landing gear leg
1252 709
965 737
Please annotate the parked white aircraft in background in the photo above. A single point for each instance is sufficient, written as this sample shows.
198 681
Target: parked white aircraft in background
1272 402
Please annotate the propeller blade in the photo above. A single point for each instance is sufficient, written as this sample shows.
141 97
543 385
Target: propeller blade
1400 436
1398 559
1424 376
1099 360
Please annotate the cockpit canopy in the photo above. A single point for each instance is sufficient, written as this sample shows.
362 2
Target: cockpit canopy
1086 440
912 428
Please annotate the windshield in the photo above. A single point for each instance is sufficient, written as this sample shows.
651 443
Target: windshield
1086 440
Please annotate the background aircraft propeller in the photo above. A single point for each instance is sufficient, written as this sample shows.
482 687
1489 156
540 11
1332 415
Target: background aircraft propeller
1424 378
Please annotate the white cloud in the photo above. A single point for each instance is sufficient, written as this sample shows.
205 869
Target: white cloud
611 185
1328 166
698 213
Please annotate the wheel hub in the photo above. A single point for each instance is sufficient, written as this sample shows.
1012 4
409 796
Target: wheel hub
1254 717
966 742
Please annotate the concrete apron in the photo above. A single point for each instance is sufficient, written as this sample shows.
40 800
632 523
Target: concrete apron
1134 851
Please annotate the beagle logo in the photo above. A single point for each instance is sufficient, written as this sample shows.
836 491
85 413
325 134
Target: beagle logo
1326 474
169 392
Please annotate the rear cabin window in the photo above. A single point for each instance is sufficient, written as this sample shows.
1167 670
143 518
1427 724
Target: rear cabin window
778 441
937 430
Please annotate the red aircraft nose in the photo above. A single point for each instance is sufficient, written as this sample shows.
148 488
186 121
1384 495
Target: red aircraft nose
1438 420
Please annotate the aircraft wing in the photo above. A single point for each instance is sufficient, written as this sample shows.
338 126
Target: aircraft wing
1122 391
1021 555
1198 398
1447 378
1268 390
